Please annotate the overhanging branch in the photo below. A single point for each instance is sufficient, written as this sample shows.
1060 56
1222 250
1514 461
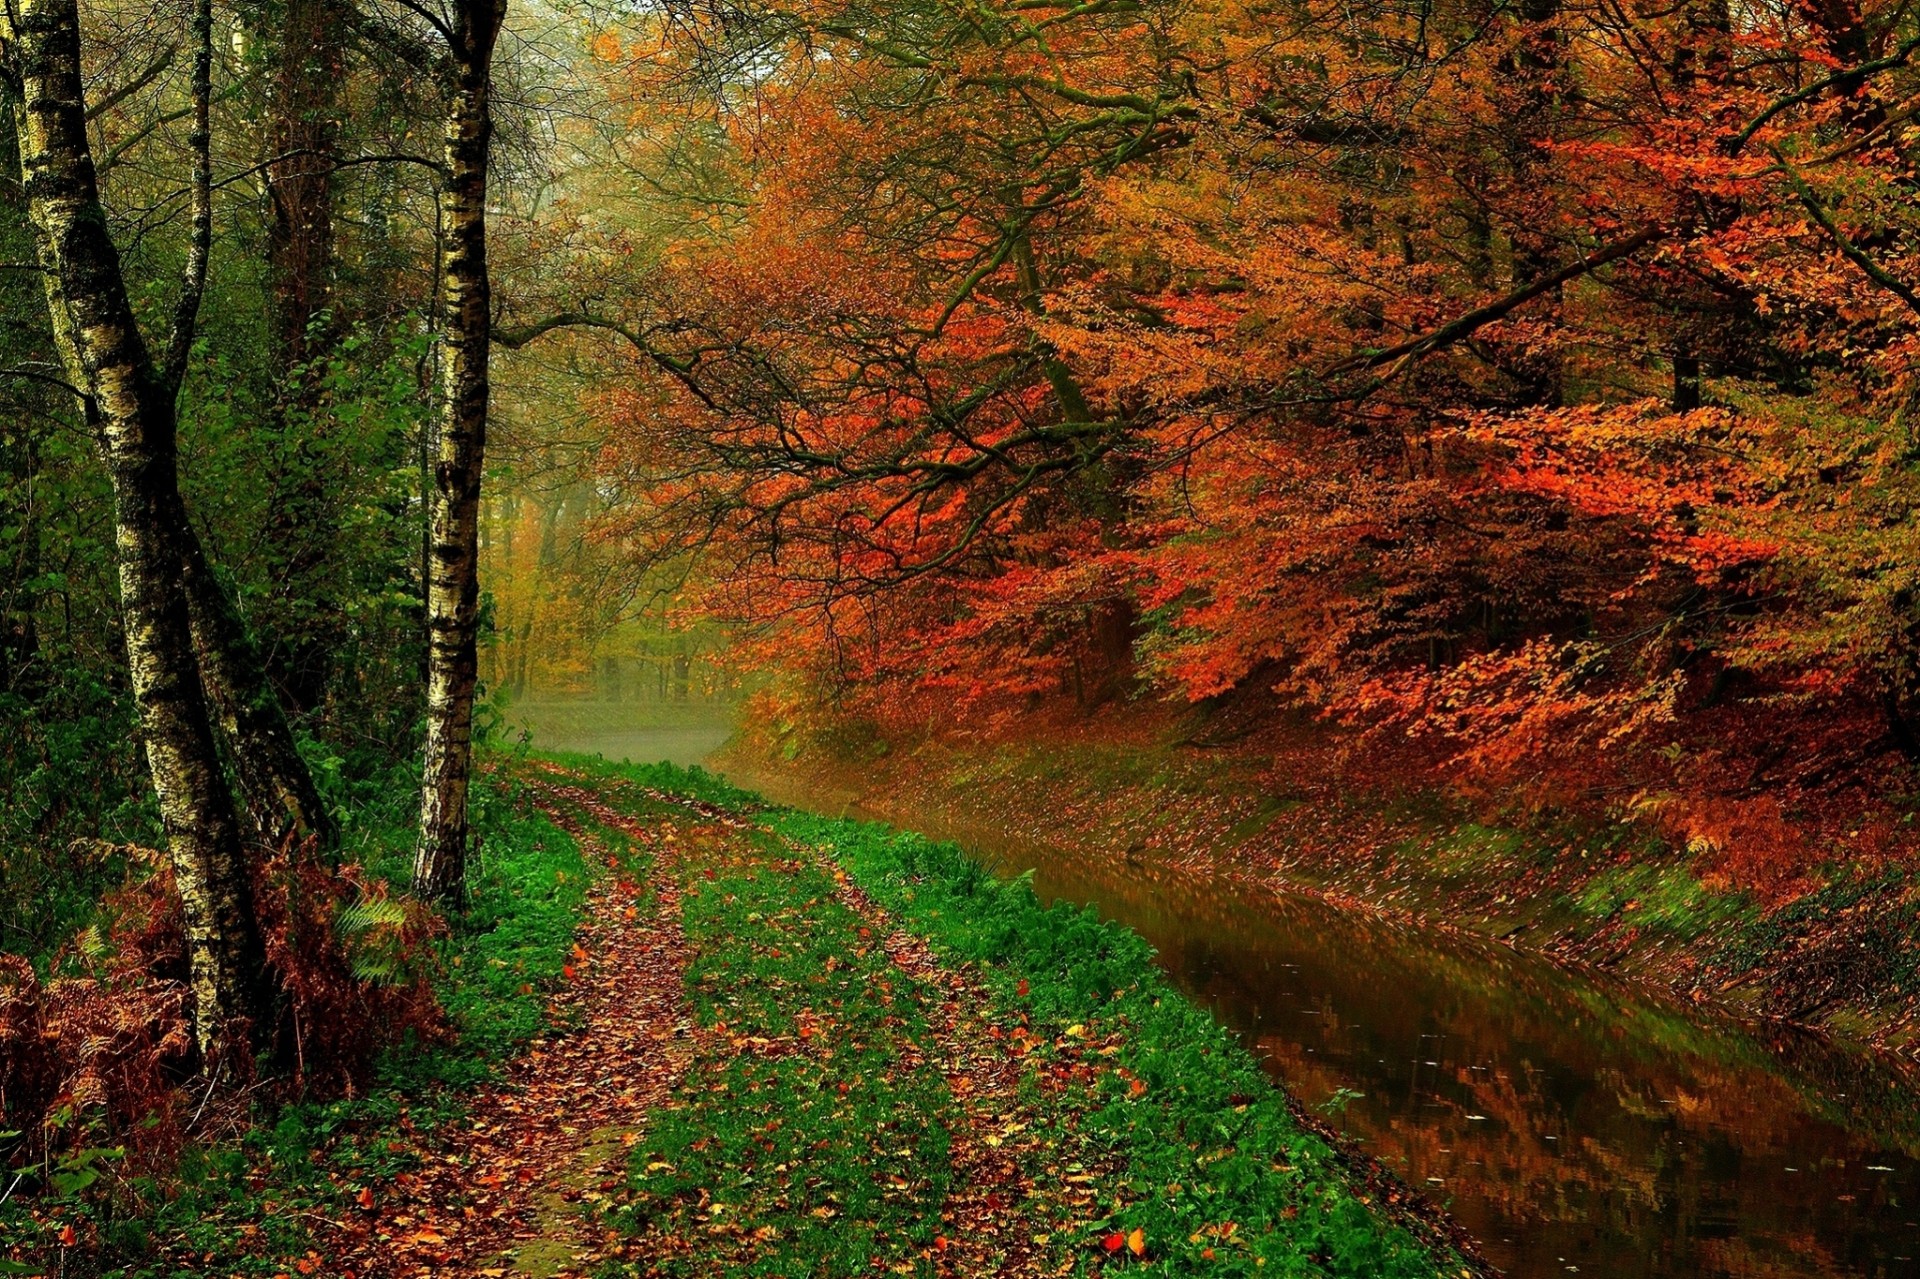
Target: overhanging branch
1466 325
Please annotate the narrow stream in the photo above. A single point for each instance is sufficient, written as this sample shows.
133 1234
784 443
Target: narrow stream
1572 1124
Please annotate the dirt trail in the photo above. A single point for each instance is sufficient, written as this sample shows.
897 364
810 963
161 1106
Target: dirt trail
997 1215
550 1139
512 1194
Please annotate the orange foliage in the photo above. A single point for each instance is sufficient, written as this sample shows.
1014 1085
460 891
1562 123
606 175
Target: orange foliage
94 1055
1530 384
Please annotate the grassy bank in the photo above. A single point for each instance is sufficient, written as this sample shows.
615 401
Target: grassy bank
815 1135
1284 808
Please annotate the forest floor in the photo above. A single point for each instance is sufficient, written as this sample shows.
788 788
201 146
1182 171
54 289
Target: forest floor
1281 805
768 1071
701 1036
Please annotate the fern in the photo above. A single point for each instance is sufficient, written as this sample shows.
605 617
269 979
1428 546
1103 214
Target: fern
361 922
368 914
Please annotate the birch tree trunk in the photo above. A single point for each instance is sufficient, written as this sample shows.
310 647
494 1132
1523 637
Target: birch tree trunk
130 404
453 560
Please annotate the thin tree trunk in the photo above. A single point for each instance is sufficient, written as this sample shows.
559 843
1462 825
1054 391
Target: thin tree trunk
21 671
280 794
130 403
1686 377
300 180
453 581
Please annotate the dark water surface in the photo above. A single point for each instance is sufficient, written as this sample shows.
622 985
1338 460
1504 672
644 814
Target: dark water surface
1572 1124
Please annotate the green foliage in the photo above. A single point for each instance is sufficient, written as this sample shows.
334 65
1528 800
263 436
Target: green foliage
1664 897
250 1200
526 896
307 491
72 789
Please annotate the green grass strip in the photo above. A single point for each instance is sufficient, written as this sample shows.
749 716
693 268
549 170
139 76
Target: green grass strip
807 1138
1217 1173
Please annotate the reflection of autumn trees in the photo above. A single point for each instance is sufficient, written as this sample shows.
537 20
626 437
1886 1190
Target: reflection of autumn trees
1557 1158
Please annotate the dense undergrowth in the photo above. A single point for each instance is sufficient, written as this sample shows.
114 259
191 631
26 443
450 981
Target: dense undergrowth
259 1168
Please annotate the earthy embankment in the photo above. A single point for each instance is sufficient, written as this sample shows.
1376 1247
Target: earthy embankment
1283 808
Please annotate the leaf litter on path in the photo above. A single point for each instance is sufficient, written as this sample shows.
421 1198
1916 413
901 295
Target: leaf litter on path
513 1191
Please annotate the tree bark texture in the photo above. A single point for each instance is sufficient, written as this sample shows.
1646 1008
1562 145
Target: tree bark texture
459 454
130 405
281 798
302 139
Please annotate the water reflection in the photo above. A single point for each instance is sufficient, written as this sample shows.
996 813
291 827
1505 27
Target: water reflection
1573 1125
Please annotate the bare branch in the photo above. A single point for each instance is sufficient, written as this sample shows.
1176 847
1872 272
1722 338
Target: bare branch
153 72
1852 252
193 284
1466 325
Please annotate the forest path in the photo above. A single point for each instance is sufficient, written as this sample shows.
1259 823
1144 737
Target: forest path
769 1056
512 1193
751 1065
805 995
